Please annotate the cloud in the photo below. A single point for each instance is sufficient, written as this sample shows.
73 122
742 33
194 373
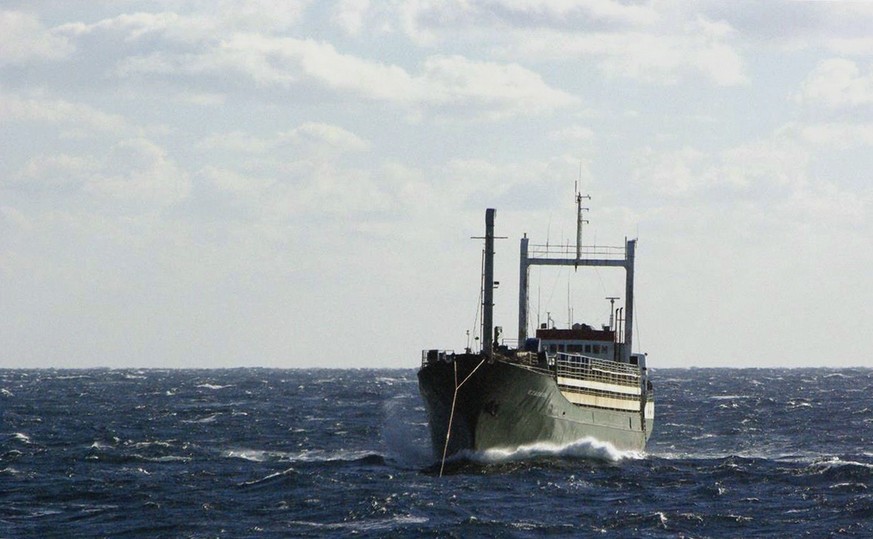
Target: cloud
53 173
645 56
24 39
350 15
321 134
671 174
58 112
661 43
194 22
573 133
133 175
837 83
763 169
432 22
199 54
307 138
139 172
444 83
858 46
836 135
501 89
135 26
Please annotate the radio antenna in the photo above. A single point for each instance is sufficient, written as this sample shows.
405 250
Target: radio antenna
579 220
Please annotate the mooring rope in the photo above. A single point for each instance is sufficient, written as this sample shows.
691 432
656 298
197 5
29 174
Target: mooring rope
452 413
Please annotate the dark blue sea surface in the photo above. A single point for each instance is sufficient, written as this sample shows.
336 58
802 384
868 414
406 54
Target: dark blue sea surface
312 453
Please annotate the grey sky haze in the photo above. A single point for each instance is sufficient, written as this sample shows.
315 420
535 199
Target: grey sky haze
294 184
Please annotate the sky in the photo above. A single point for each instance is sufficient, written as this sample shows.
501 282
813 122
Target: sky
296 184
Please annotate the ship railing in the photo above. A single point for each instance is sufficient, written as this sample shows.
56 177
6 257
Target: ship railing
433 356
594 369
569 251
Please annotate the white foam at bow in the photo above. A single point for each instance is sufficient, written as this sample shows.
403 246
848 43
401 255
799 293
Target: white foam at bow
585 448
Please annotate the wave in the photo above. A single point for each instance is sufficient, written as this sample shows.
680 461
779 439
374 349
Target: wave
254 455
270 478
315 456
165 458
370 525
212 386
20 437
208 419
838 469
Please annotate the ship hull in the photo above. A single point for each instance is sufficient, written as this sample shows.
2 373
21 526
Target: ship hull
507 405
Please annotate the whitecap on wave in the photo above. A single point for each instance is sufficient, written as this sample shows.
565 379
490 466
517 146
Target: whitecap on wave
309 456
254 455
208 419
283 473
21 437
212 386
369 525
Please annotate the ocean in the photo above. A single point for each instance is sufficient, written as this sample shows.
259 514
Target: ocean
336 453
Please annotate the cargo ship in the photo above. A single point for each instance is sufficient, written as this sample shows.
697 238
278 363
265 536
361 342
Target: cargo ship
557 386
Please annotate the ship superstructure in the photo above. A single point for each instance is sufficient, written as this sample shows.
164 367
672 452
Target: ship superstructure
557 386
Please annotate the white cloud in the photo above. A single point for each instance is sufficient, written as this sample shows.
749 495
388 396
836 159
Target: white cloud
321 134
256 14
139 172
573 133
669 174
501 89
444 81
54 172
836 83
194 22
839 136
432 22
23 39
661 43
350 15
307 138
859 46
766 168
237 141
133 26
202 99
58 112
758 166
660 59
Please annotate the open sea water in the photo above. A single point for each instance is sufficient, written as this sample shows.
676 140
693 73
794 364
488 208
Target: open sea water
313 453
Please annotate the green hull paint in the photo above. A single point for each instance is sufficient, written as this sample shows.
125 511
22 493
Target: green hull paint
506 405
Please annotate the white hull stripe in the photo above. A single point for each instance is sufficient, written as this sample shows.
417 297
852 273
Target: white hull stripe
602 402
587 384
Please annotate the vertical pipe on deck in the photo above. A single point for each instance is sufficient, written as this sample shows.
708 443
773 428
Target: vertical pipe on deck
488 292
523 273
631 247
